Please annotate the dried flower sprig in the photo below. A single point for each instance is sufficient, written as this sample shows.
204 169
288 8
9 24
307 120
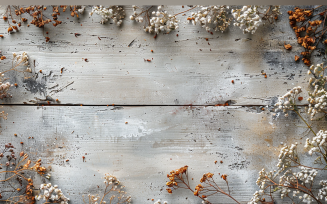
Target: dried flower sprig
161 202
310 29
287 101
249 18
208 186
18 60
114 189
156 21
291 184
52 194
318 97
18 170
116 13
14 15
211 16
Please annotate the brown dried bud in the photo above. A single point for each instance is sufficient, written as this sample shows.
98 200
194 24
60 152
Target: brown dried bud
288 46
297 58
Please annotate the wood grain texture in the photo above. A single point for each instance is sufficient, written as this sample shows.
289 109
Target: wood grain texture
168 103
185 69
155 141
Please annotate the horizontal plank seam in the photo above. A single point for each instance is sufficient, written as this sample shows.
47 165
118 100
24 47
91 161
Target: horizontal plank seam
150 105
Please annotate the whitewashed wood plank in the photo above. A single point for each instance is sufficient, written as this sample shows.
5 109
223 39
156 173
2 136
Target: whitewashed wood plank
155 141
180 73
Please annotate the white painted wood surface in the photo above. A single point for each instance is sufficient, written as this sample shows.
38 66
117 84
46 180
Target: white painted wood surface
160 138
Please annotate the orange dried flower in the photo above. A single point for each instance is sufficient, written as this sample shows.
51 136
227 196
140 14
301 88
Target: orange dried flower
300 98
224 176
297 58
306 61
287 46
2 57
169 190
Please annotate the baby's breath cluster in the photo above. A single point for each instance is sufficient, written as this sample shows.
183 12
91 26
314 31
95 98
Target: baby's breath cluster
161 202
159 20
257 197
113 186
211 16
264 178
287 101
318 98
322 194
286 156
116 13
247 18
317 143
18 60
52 194
306 175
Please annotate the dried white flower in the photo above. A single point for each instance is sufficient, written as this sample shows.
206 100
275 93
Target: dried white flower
116 13
248 18
52 194
287 101
318 142
158 21
215 15
318 98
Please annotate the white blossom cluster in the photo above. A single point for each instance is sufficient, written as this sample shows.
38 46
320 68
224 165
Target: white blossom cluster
112 180
286 156
247 19
116 13
286 101
322 194
317 142
264 178
208 15
160 21
4 88
205 201
18 60
257 196
81 9
306 175
52 193
318 98
160 202
94 199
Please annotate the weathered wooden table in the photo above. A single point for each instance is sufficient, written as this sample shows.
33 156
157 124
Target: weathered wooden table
164 114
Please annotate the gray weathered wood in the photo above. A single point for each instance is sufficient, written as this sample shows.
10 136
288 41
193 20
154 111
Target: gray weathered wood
183 70
155 141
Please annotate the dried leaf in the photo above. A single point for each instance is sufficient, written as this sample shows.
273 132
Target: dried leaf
287 46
